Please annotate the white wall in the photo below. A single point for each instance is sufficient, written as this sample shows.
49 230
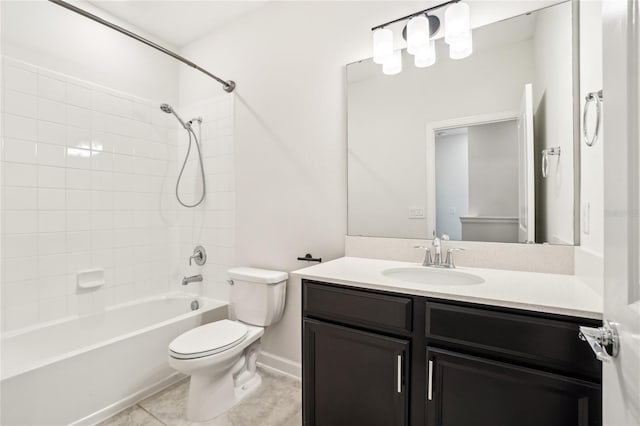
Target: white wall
589 254
452 183
553 123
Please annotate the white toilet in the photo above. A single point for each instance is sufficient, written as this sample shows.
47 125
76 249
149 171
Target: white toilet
221 356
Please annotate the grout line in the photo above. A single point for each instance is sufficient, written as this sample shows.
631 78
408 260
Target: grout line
151 414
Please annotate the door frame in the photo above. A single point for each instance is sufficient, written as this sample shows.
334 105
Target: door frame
432 127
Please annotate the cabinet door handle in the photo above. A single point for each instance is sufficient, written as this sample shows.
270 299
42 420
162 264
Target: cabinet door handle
430 382
399 373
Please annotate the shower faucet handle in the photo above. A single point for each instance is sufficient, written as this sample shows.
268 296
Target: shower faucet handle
199 256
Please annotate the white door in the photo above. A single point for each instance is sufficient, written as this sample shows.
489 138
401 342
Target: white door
621 375
526 174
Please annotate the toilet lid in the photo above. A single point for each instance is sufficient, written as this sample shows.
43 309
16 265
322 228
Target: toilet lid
208 339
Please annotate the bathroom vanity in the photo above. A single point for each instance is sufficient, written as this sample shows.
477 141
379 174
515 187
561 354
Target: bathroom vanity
378 350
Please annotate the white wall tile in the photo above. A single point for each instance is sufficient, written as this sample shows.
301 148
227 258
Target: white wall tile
55 264
52 199
51 88
19 127
78 199
19 292
20 80
79 241
79 138
51 155
18 103
51 221
51 243
78 220
17 198
19 245
20 222
20 268
15 174
51 177
78 117
19 151
78 95
78 179
78 158
18 316
52 133
49 110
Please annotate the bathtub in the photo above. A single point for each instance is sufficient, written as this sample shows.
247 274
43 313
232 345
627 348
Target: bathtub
83 369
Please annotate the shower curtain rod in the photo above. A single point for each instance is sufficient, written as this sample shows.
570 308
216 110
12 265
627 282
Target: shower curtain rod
228 86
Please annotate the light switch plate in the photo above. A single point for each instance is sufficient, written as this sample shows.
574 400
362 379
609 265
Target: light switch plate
416 212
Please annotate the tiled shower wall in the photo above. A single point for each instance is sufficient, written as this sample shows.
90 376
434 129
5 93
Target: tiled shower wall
88 179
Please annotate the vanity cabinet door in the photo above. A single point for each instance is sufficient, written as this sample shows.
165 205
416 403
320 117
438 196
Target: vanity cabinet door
353 377
464 390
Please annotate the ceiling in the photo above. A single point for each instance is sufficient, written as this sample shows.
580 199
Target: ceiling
178 22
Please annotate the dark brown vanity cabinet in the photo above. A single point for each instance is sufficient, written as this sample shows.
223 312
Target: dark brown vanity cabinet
379 358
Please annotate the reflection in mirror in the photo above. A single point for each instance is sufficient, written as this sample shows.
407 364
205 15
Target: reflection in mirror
477 182
457 147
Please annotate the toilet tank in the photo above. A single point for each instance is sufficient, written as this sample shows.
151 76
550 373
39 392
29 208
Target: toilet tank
258 295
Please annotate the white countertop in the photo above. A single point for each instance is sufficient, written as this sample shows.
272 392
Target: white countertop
539 292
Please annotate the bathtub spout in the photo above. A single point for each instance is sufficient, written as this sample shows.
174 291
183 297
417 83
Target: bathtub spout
192 279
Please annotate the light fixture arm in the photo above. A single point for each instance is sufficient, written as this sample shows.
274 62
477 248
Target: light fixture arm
413 15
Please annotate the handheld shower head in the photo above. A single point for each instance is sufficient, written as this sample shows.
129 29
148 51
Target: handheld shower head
169 110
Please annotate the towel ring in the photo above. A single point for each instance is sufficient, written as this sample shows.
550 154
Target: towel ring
592 97
545 159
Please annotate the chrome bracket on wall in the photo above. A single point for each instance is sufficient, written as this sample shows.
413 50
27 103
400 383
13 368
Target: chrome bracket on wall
545 159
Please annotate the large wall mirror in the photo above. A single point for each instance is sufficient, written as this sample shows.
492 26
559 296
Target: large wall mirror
480 148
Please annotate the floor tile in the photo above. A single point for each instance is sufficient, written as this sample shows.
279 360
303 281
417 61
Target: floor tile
133 416
277 402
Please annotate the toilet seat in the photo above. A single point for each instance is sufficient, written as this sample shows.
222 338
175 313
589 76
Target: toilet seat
208 339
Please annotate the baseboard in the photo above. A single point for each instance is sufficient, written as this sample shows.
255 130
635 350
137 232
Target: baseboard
129 401
280 365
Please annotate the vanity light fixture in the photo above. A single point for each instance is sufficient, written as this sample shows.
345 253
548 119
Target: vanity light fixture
382 45
393 64
419 32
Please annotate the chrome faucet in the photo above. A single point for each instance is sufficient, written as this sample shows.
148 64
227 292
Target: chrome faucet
192 279
437 260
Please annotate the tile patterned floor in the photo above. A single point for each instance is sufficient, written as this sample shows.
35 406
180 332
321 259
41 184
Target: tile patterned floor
278 402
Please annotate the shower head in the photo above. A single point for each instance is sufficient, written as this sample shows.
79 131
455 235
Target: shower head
169 110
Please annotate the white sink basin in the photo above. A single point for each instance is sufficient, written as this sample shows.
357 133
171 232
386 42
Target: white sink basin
433 276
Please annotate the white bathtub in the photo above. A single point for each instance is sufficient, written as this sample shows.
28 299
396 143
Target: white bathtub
83 369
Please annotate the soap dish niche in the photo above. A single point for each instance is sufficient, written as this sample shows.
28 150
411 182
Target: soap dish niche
90 278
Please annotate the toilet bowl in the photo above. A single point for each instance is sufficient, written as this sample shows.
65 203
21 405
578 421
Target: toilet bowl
221 356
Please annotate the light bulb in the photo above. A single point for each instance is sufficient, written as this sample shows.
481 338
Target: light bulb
456 22
382 45
417 33
426 55
393 64
462 48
